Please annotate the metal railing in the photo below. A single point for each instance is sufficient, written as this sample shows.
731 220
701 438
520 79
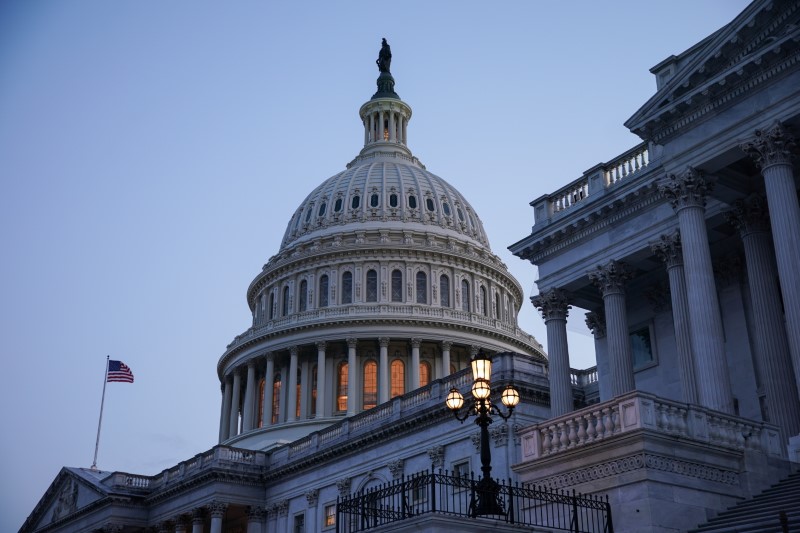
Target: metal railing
448 494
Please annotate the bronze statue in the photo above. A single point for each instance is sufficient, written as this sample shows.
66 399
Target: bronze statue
384 57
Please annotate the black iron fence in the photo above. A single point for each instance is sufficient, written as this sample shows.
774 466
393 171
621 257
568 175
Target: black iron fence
448 494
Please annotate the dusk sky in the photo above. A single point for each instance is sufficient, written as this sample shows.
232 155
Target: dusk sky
152 153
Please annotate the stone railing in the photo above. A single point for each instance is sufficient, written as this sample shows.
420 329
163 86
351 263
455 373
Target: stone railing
581 378
637 411
592 182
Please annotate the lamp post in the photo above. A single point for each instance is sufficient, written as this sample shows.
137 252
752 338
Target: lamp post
488 490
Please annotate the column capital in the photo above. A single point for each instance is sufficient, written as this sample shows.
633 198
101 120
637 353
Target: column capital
446 345
396 468
668 249
687 189
436 455
217 509
256 513
294 350
771 146
473 350
251 364
312 497
343 486
383 342
198 515
321 345
596 322
416 342
352 342
553 304
611 277
749 215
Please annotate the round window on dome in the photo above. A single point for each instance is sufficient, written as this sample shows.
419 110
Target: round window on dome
373 200
412 202
322 209
355 202
446 208
393 200
429 204
338 205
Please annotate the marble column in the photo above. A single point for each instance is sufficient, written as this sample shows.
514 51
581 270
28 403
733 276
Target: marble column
392 131
269 383
668 249
596 323
235 400
446 345
380 125
415 344
610 279
687 194
249 396
772 149
321 360
255 519
771 343
383 369
225 424
352 372
291 407
216 511
554 306
198 520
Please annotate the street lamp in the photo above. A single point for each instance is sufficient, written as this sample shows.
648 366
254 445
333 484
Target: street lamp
488 490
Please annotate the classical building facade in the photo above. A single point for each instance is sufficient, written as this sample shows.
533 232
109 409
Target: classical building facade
684 250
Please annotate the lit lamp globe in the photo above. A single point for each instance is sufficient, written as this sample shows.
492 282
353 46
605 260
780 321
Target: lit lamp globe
481 389
510 397
454 400
481 367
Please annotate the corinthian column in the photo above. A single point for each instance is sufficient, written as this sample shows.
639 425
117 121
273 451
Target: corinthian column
687 193
269 385
668 249
383 370
321 360
291 408
225 423
554 305
446 345
772 150
415 344
771 344
610 279
352 372
235 400
216 510
249 396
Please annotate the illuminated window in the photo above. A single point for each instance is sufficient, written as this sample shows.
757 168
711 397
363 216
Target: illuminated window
370 385
341 388
484 306
261 386
303 300
330 515
347 288
285 308
314 390
298 392
464 295
276 398
372 286
422 288
397 286
444 291
398 370
424 373
323 291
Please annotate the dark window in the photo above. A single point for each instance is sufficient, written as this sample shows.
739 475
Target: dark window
422 288
446 208
322 209
641 347
323 291
355 202
444 291
393 200
373 200
460 214
429 204
397 286
302 300
285 308
372 286
412 202
338 205
483 301
271 305
347 288
465 295
308 214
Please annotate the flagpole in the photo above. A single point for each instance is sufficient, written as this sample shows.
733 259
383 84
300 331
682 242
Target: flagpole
100 421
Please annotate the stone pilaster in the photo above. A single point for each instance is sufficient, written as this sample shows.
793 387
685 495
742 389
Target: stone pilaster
436 455
249 397
321 379
291 407
771 344
668 249
352 372
415 344
235 400
225 423
383 369
610 279
396 468
343 486
773 150
687 193
554 306
269 383
446 345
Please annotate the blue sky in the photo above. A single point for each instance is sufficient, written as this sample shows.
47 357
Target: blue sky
151 154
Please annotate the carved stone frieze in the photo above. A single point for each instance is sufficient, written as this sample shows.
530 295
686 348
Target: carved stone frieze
749 215
436 455
312 497
217 509
611 277
343 486
668 249
396 468
688 189
596 322
67 500
771 146
553 304
499 434
476 441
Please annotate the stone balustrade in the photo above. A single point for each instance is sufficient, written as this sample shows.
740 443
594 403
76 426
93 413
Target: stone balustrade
637 411
626 164
582 378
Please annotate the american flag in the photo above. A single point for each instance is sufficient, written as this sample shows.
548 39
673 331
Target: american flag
119 371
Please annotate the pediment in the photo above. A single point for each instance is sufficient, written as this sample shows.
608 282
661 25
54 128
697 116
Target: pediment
72 490
765 37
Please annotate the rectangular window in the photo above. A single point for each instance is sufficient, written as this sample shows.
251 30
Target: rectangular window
461 472
330 515
642 347
300 523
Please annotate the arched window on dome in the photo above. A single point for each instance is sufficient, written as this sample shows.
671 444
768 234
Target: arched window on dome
412 201
446 209
314 391
298 394
309 213
322 207
372 286
323 290
347 288
397 285
465 295
497 313
262 384
302 299
374 200
285 303
422 288
271 305
398 371
355 203
341 387
444 290
484 303
337 205
424 373
276 397
370 393
393 200
430 205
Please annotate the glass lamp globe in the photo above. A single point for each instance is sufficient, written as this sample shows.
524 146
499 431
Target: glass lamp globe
481 389
481 367
454 400
510 397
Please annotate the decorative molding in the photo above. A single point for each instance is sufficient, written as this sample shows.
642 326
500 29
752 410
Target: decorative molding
688 189
352 343
436 455
343 486
312 497
772 146
499 434
67 501
255 513
476 441
217 509
383 342
396 468
596 322
749 215
668 249
611 277
553 304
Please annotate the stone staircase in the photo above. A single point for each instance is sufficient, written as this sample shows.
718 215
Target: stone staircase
762 513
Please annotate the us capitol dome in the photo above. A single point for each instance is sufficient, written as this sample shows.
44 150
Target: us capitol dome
384 282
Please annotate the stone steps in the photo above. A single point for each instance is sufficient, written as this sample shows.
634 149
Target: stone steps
761 513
